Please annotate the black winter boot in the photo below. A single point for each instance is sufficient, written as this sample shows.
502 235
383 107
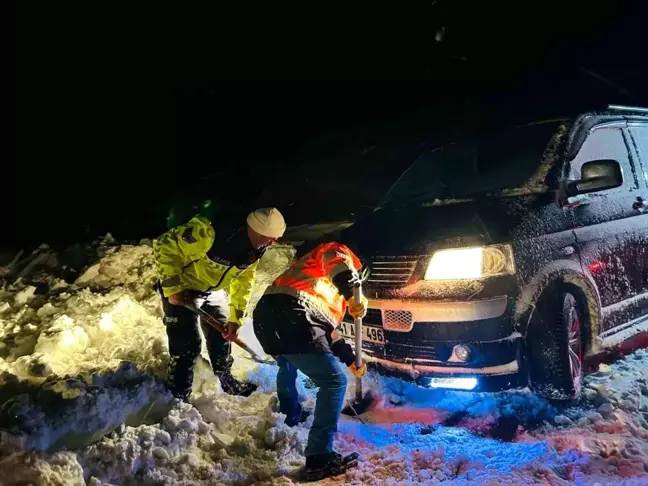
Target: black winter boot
232 386
320 466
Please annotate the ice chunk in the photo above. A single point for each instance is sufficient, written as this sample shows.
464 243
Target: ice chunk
147 433
595 417
24 296
203 427
171 422
606 409
108 240
188 425
562 420
223 439
604 369
90 274
161 453
190 459
163 436
273 435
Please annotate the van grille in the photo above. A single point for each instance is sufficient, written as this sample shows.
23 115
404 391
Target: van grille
397 320
373 318
434 351
392 271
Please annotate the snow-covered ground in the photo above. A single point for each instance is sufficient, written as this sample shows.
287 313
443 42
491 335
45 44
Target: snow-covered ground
83 401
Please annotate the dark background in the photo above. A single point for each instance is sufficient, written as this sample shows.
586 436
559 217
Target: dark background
315 111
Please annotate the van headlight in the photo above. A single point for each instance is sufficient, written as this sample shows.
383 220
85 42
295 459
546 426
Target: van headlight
471 263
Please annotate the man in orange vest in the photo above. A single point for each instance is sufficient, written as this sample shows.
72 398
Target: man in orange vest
295 321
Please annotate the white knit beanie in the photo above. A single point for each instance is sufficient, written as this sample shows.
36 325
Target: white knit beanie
267 222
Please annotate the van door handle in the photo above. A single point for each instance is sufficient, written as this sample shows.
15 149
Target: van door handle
576 201
569 250
639 204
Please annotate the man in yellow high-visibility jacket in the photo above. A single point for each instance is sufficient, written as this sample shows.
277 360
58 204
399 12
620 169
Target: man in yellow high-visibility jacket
197 263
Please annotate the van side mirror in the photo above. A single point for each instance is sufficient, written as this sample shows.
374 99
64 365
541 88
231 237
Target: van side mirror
596 175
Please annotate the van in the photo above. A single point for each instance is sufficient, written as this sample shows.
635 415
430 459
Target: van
505 262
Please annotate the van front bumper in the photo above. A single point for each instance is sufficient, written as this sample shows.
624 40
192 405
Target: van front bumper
488 379
420 337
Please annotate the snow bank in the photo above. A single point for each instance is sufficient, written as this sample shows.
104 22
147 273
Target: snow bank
87 357
72 413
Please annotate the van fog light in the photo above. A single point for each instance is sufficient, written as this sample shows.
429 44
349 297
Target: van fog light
461 352
455 383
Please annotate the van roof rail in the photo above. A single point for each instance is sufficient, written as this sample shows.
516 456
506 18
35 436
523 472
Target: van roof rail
634 109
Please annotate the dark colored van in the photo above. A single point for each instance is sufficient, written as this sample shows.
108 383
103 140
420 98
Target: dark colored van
503 263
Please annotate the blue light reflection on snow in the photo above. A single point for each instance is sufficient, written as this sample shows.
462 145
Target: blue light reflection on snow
448 443
522 403
456 442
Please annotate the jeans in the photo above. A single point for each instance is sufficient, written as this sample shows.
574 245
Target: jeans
325 371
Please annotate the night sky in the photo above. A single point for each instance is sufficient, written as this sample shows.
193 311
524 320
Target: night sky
119 109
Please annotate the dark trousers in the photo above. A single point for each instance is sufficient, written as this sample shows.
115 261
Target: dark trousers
184 344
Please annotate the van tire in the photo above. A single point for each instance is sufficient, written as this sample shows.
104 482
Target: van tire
555 347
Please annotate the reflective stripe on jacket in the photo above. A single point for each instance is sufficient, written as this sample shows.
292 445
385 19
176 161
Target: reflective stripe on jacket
310 279
182 264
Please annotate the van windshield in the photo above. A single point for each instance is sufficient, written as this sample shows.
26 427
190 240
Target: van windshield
508 164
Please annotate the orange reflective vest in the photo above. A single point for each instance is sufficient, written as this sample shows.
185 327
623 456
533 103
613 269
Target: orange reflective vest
310 279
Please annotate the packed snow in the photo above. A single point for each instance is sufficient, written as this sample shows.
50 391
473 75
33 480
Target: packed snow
83 400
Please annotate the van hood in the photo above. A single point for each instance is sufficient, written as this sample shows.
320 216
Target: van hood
421 230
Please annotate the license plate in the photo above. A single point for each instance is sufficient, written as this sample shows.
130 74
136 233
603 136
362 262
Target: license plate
369 333
457 383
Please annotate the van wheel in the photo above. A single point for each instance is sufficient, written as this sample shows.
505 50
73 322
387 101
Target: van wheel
555 348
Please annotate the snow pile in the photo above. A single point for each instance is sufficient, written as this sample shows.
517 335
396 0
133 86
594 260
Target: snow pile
81 358
87 357
111 313
72 413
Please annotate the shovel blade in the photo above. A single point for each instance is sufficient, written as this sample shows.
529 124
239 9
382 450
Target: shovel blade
357 406
257 359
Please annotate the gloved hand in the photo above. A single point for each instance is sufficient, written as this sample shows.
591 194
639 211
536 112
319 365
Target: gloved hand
180 298
358 309
359 372
232 331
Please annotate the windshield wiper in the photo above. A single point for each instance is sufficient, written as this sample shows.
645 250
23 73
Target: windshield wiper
409 200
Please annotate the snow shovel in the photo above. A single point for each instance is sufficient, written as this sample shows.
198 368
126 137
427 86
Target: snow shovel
361 402
238 341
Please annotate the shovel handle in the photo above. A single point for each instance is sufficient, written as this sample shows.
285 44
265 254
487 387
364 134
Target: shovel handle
220 328
357 321
247 348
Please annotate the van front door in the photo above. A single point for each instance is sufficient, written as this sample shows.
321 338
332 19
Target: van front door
639 136
608 227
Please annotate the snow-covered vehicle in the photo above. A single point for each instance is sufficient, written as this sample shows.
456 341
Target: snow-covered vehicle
504 263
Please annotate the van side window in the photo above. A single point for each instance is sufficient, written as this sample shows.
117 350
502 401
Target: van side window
606 143
640 137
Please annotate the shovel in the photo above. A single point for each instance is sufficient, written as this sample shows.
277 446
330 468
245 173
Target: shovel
238 341
361 402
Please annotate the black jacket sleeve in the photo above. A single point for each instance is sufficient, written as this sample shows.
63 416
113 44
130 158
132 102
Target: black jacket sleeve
344 281
343 351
